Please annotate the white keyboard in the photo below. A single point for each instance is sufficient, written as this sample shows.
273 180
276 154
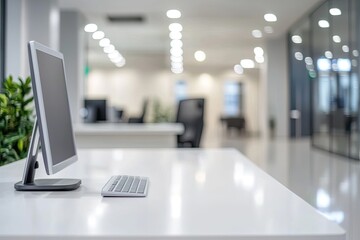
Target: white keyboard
126 186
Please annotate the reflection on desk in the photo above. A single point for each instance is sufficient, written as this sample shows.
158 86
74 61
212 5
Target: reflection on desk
193 194
123 135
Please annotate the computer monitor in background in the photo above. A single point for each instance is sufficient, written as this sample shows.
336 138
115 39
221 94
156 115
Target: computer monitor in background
53 122
95 110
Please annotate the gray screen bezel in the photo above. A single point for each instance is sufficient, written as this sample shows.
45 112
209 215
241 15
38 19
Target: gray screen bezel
40 108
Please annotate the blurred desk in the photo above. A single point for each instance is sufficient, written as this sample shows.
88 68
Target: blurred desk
124 135
194 194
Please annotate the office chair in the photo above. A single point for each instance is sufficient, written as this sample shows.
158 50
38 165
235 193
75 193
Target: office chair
191 115
141 118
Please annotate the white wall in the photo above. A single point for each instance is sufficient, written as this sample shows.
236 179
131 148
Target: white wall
127 88
29 20
277 84
72 45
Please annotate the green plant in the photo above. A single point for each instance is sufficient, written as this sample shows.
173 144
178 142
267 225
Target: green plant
16 119
160 113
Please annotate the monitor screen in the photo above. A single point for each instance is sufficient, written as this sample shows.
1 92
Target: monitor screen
52 107
96 110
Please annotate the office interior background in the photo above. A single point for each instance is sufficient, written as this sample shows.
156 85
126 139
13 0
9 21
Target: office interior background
293 82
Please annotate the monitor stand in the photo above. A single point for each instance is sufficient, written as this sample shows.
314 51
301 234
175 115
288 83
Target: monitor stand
29 183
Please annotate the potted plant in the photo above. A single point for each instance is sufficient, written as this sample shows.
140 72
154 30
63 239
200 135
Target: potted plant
16 119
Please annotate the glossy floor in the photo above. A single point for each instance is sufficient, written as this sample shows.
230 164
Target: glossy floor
328 182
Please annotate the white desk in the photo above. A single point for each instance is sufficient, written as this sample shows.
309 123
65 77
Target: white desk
123 135
194 194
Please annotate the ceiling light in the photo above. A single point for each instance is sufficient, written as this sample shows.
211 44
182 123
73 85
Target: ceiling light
323 24
91 27
175 35
355 53
335 11
118 59
109 49
269 17
176 59
200 56
296 39
176 43
104 42
256 33
247 63
114 54
299 56
121 63
258 51
336 38
238 69
98 35
344 65
323 64
308 61
268 29
177 65
177 70
173 13
175 27
176 52
345 48
328 54
259 59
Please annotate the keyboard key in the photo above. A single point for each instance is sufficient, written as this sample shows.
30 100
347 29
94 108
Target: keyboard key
142 186
135 185
128 184
121 184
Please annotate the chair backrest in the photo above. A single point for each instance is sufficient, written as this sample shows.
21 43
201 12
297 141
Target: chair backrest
191 115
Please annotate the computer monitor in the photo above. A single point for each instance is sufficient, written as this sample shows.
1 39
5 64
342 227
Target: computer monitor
95 110
53 122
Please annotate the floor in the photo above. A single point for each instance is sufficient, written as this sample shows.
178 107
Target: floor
328 182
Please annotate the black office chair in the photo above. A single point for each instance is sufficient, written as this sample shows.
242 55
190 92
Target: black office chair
141 118
191 115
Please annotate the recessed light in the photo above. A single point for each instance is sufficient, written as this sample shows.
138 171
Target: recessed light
98 35
355 53
345 48
296 39
175 35
270 17
104 42
299 56
109 49
308 61
247 63
91 27
173 13
323 24
177 65
121 63
176 43
118 59
259 58
177 70
256 33
176 52
335 11
176 59
258 51
175 27
336 38
238 69
114 54
200 56
328 54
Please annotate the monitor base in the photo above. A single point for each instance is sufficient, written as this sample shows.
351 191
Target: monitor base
49 185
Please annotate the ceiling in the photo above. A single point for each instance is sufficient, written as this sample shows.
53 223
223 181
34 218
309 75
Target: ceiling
221 28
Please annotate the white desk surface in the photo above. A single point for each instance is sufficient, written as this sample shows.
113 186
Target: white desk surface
126 128
193 194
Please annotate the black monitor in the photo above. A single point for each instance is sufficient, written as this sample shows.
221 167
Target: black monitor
95 110
53 127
